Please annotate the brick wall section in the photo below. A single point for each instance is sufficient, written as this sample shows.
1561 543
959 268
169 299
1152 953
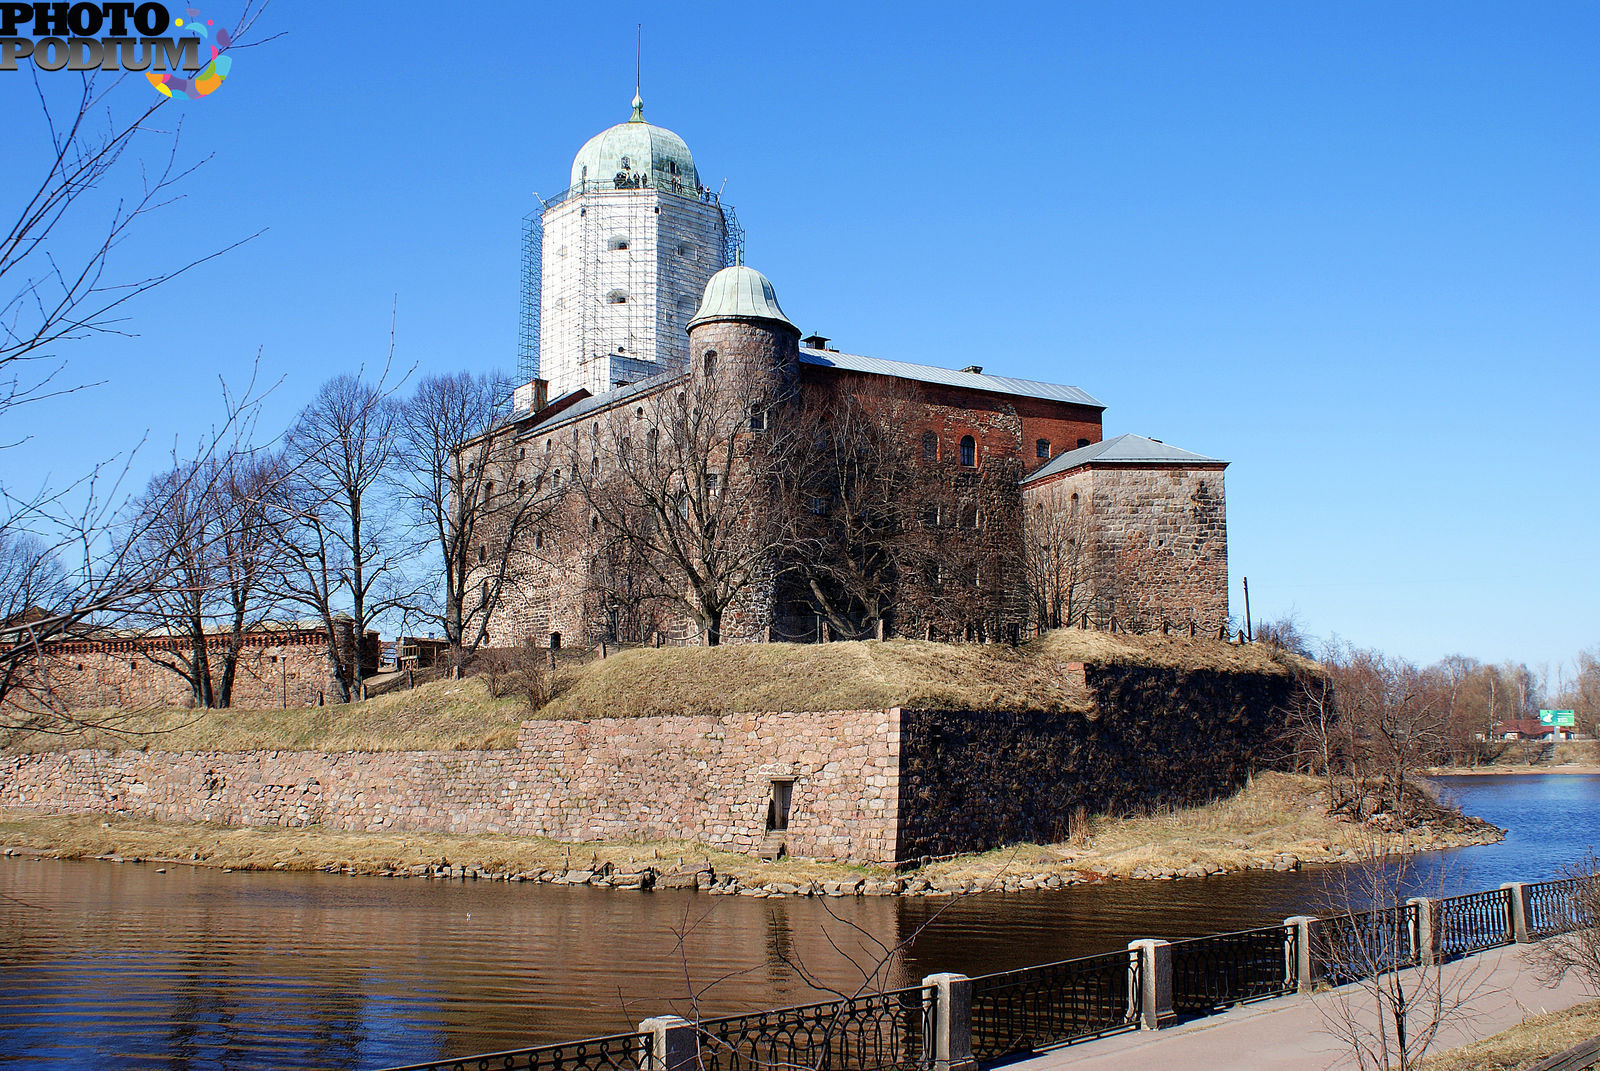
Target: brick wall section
706 779
277 668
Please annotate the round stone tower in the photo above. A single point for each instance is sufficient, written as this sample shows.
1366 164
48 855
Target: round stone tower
741 336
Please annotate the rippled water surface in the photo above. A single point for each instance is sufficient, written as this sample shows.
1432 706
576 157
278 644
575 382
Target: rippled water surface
116 966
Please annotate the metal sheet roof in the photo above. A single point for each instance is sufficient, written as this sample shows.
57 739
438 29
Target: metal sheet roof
1122 450
949 377
597 402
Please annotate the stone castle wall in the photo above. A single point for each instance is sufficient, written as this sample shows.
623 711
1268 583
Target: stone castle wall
868 786
970 781
706 779
1156 539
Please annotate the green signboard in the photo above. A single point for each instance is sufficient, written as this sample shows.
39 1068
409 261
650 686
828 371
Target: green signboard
1563 718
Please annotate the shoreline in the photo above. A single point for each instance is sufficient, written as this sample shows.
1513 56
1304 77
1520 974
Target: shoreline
1276 822
1572 768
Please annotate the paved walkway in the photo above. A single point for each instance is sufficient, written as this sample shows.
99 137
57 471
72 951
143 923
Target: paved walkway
1290 1033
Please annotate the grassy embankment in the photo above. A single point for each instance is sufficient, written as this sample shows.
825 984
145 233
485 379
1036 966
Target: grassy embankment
456 715
1530 1041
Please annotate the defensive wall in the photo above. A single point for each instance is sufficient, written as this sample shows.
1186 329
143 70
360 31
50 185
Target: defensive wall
872 786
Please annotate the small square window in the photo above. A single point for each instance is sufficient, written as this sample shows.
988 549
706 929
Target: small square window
1042 448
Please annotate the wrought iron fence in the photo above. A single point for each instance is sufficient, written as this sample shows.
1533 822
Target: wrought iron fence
1213 972
1468 923
1555 906
877 1032
1363 943
1023 1010
617 1052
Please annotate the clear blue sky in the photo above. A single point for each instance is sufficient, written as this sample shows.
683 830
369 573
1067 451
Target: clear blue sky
1352 248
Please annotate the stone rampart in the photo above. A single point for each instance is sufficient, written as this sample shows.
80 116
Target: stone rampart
707 779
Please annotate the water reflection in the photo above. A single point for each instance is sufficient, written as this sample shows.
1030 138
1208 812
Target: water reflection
112 966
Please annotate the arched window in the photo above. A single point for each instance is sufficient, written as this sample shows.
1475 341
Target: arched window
1042 448
594 467
555 480
711 362
483 553
522 487
522 452
930 446
651 439
618 242
488 492
969 451
617 297
1082 443
538 541
485 594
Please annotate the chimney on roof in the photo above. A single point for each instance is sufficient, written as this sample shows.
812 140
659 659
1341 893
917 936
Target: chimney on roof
530 397
975 369
816 342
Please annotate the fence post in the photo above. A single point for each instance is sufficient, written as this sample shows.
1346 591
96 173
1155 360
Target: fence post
1424 940
1300 966
952 1022
1516 912
1154 998
674 1043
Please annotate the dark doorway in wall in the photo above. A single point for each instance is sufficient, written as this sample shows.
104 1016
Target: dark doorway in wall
778 806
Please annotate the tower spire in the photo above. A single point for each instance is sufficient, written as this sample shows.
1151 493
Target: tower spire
638 48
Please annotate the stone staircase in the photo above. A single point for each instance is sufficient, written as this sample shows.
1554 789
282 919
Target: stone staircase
773 846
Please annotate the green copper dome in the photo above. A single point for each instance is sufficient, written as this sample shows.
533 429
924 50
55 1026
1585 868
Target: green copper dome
740 293
634 154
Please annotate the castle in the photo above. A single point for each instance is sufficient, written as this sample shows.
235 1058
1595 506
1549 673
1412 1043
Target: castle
987 507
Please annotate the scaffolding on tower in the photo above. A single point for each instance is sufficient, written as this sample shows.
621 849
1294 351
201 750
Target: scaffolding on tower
532 269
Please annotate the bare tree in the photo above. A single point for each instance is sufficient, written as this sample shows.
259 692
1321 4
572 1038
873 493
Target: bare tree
333 526
694 491
1395 1002
1056 556
201 536
470 493
1397 717
854 487
1315 734
95 189
1575 947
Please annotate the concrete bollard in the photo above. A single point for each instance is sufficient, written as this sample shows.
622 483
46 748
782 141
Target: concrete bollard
952 1022
1517 912
1424 942
674 1043
1154 998
1299 966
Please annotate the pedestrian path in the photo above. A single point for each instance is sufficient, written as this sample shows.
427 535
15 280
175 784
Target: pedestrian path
1290 1033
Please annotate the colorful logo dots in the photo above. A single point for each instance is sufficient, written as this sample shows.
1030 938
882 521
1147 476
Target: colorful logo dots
210 77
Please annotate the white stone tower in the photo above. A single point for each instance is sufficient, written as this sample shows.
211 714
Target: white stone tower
626 254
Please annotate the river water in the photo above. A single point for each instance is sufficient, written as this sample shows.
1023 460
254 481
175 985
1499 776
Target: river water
116 966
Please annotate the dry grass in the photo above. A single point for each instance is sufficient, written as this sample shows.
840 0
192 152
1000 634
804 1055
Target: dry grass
318 848
868 675
443 715
455 715
1524 1044
1274 813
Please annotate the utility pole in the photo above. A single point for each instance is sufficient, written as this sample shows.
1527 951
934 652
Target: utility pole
1249 632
